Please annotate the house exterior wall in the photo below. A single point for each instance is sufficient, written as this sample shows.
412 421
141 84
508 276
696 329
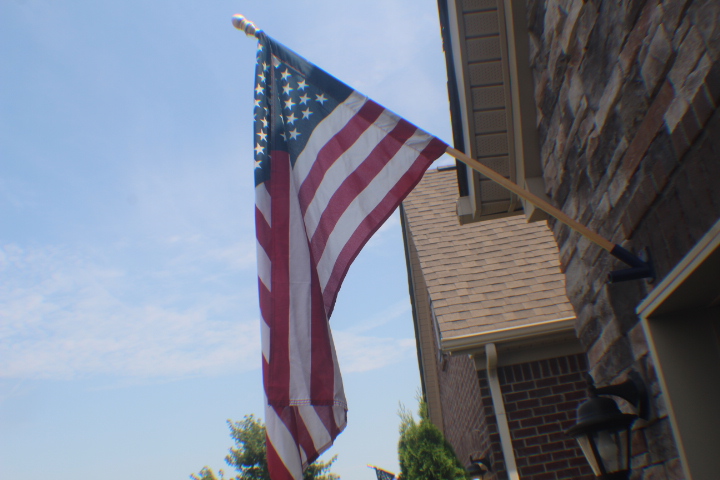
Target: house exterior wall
627 96
427 347
466 425
541 398
450 384
500 278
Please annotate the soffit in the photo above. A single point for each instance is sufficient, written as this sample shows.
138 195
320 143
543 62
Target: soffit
479 48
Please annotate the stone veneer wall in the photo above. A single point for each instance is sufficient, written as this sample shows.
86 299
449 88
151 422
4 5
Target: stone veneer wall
627 95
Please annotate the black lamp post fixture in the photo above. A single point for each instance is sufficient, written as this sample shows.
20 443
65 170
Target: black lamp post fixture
477 468
604 432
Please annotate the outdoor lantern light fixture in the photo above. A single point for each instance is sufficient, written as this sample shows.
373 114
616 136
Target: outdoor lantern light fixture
477 469
604 432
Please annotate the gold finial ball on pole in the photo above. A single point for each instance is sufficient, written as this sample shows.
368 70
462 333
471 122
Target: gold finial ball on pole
242 23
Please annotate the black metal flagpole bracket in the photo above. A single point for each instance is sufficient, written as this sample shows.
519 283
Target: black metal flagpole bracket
639 268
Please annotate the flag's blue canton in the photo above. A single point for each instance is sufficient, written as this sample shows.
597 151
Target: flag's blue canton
291 99
383 475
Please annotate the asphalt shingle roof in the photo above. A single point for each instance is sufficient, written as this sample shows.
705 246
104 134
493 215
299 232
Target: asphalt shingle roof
483 276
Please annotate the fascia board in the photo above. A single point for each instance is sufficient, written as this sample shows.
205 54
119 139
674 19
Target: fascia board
521 334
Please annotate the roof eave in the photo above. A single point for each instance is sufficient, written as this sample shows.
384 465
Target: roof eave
520 335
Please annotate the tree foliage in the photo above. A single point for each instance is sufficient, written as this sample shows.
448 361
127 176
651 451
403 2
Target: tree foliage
249 456
423 451
207 474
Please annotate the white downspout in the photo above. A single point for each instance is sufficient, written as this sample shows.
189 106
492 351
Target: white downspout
500 415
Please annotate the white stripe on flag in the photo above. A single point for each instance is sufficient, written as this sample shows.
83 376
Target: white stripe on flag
283 441
320 436
324 131
264 265
339 413
265 339
340 170
364 203
263 202
300 337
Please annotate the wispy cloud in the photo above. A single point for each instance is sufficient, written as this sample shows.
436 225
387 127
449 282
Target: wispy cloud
392 313
197 252
389 230
358 353
65 316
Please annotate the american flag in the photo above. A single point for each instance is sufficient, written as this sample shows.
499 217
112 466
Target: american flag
382 474
330 167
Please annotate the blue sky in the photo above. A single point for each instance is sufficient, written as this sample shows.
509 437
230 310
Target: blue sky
128 305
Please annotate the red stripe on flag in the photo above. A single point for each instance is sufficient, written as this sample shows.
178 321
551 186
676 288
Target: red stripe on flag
277 390
431 152
322 371
377 217
276 467
262 229
327 416
287 416
265 300
304 438
356 182
334 148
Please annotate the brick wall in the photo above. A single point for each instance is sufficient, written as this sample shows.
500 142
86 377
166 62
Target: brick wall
627 96
543 393
493 450
541 400
464 422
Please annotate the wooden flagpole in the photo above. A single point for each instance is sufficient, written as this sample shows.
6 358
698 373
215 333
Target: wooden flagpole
532 198
639 268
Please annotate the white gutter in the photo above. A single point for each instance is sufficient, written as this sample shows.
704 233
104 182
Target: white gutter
522 332
500 414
